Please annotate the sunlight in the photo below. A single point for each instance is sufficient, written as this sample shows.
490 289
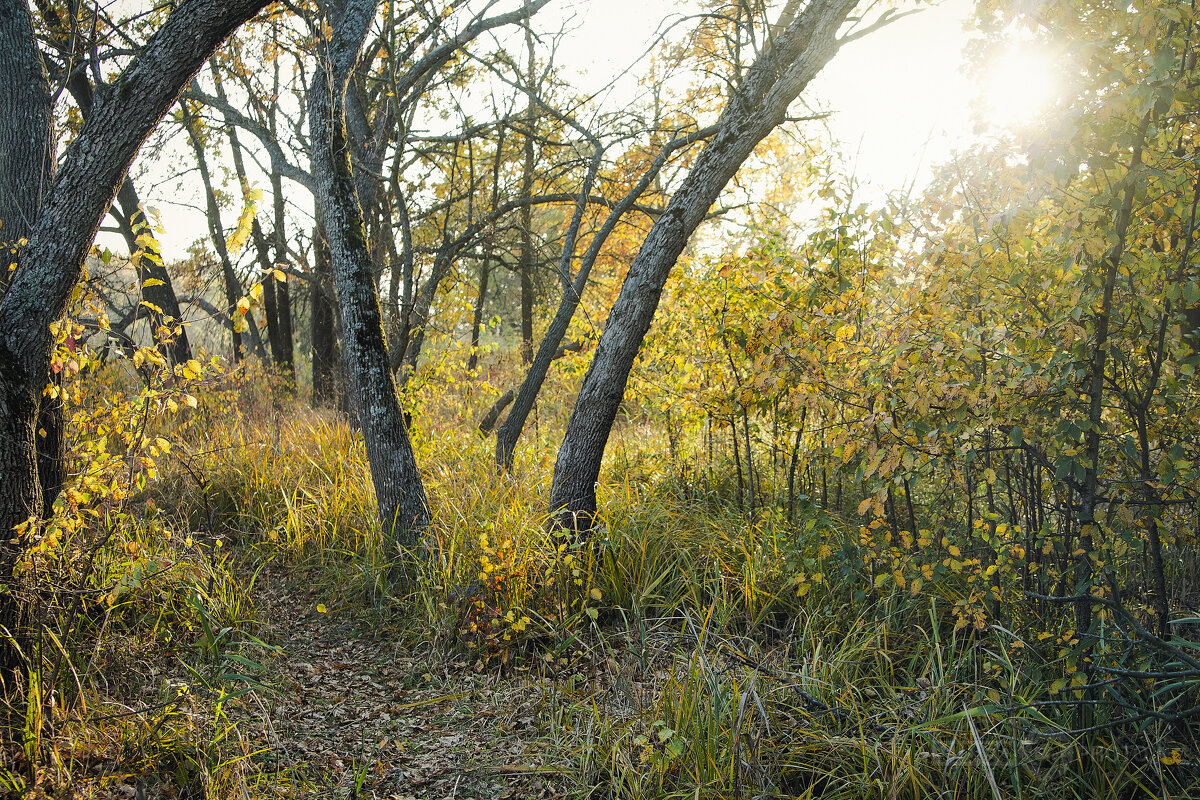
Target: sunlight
1019 85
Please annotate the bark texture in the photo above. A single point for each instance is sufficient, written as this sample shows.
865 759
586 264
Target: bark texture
756 107
402 504
26 167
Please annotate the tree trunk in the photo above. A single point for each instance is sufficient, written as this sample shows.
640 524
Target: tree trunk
266 269
153 278
324 345
535 377
485 269
65 221
283 297
757 106
26 167
402 505
155 281
525 257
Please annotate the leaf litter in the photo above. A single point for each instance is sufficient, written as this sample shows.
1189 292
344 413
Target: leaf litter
356 713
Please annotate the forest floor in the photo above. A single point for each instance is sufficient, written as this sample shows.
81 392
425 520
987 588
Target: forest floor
352 710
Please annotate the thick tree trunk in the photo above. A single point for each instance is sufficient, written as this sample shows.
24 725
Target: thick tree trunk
402 505
26 167
69 213
757 106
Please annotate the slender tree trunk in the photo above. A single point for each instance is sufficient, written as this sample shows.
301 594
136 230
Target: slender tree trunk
535 377
153 278
526 255
791 501
266 269
402 505
324 344
1090 496
488 255
757 106
234 291
283 297
485 269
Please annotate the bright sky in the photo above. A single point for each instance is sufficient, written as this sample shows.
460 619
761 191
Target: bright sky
898 97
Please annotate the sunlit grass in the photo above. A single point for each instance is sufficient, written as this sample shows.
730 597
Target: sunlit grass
687 649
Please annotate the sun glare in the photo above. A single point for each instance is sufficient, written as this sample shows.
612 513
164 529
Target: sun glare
1017 87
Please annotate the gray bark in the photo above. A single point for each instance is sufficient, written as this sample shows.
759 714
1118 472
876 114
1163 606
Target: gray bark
403 508
756 107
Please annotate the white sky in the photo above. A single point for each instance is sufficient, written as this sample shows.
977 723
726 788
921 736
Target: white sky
898 96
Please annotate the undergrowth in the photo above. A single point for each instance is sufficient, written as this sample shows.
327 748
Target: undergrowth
692 650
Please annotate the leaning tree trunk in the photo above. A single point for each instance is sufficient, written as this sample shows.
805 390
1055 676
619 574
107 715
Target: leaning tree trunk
572 296
401 495
153 278
65 214
756 107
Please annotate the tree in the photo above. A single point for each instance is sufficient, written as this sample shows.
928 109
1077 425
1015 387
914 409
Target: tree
800 44
398 487
401 495
63 213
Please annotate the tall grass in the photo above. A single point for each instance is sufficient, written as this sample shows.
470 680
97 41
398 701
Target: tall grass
689 650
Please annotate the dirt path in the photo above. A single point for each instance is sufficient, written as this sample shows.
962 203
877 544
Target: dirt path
355 715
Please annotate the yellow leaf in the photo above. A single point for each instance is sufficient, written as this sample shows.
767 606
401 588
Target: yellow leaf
320 608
